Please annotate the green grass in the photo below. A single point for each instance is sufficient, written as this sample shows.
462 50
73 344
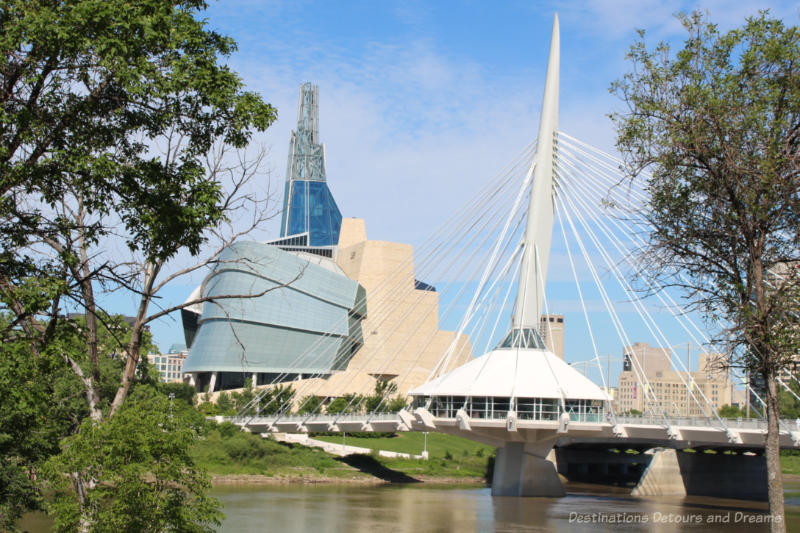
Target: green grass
449 456
790 462
227 451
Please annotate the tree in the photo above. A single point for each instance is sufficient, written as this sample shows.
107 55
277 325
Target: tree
309 405
346 404
730 411
225 405
121 150
278 399
718 126
42 404
178 391
139 462
381 399
243 398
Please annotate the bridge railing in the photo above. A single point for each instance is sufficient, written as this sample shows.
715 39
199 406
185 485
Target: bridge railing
268 419
698 422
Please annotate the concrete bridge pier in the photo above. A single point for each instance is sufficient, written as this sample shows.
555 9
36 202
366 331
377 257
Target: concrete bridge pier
719 475
522 469
662 477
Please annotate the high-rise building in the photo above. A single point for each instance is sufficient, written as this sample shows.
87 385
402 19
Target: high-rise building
551 329
648 380
641 357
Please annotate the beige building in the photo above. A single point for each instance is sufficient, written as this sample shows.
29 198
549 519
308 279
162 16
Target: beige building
402 339
551 329
169 365
668 387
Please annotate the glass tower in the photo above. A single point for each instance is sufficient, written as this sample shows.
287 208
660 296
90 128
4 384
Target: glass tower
308 205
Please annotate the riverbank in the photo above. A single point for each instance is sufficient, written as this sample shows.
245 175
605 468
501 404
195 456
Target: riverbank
231 456
363 480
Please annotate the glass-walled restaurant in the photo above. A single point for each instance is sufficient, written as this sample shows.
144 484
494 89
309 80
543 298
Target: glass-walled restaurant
498 407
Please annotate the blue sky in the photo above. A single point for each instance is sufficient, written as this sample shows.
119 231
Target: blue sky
422 102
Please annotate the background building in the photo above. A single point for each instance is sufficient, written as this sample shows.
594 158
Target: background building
647 372
170 364
551 329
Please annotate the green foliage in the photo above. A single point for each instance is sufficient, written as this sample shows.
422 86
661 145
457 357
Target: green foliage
225 405
243 398
227 450
347 403
276 399
43 401
790 405
113 335
397 404
382 401
730 411
88 83
309 404
91 88
716 123
208 408
134 471
181 391
24 438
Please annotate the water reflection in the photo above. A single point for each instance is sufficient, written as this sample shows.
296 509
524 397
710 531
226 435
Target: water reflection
300 508
419 508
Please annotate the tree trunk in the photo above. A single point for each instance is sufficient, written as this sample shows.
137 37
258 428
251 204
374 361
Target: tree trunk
134 348
81 489
772 450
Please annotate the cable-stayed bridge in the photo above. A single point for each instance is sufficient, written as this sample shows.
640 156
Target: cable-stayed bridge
521 397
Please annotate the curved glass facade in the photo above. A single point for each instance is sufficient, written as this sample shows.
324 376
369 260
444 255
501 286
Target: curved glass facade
304 318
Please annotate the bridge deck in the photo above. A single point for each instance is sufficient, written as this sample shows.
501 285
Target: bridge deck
676 433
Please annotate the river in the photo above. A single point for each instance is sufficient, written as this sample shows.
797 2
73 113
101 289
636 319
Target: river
419 508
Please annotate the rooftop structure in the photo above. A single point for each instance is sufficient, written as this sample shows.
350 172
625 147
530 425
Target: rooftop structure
641 357
309 209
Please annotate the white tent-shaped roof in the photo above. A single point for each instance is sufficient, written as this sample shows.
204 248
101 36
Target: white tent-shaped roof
517 372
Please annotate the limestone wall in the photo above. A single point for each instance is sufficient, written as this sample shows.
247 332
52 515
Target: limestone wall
402 339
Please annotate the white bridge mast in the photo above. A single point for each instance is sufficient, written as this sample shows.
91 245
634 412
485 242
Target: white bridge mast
539 229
